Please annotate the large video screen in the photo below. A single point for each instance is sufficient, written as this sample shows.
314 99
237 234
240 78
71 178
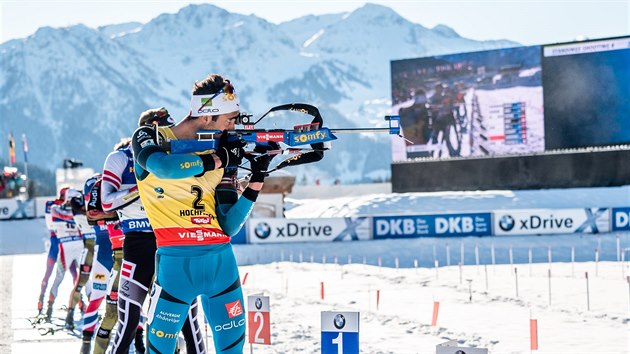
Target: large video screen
471 104
587 93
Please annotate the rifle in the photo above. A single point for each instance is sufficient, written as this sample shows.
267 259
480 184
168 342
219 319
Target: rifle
313 134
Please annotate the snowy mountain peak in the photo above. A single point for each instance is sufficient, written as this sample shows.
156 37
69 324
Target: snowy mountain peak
102 80
445 31
375 16
373 11
203 12
120 29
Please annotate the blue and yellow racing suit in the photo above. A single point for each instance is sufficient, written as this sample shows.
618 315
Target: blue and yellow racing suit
194 255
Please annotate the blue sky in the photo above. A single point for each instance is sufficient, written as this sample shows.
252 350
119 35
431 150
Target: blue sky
525 21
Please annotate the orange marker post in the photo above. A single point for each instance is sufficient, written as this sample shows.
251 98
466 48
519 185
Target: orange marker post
436 309
533 334
321 286
245 278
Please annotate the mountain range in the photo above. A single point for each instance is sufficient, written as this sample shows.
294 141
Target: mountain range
75 91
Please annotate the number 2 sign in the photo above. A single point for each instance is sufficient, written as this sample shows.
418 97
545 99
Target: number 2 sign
258 322
340 332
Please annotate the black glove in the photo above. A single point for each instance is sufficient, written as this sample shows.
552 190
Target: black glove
260 163
230 152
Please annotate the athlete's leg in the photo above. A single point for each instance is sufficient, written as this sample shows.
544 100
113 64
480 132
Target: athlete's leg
59 275
136 275
73 269
77 251
87 259
171 296
223 305
138 341
192 331
100 278
111 305
51 260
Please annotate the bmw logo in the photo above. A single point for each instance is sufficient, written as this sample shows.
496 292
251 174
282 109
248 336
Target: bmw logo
159 190
258 303
340 321
506 223
263 230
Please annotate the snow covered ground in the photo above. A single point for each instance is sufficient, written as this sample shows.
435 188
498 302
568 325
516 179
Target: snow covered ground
496 317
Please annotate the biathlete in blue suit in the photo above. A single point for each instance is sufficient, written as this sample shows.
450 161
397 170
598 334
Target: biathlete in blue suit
180 195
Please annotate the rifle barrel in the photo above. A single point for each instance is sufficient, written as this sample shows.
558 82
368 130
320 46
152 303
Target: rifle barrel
359 130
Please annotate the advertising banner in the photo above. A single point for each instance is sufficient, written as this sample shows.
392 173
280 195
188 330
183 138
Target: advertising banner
620 219
274 230
470 224
551 221
16 209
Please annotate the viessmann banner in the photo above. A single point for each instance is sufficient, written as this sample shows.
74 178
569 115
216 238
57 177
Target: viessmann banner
409 226
551 221
274 230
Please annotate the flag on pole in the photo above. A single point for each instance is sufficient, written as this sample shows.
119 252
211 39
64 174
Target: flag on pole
25 146
11 149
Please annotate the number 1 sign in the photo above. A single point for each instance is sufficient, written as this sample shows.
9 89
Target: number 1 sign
258 322
340 332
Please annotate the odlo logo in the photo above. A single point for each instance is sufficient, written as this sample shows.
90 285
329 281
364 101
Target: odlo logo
234 309
229 325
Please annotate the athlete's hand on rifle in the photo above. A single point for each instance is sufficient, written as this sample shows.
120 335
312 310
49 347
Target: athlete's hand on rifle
230 152
259 163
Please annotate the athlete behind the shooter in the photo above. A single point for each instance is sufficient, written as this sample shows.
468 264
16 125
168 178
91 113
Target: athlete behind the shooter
70 244
88 233
116 237
194 255
103 262
53 248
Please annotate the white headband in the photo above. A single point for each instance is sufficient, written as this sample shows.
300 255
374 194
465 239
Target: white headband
213 105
